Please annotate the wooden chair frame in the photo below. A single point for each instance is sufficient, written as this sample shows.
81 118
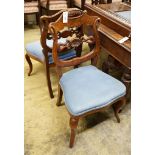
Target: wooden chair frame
44 22
54 28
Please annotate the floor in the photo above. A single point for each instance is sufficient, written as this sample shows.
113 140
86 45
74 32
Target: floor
46 127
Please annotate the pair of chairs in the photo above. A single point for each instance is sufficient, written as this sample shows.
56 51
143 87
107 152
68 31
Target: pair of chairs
86 89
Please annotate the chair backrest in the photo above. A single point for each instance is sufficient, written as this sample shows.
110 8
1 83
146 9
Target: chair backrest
44 22
45 34
83 20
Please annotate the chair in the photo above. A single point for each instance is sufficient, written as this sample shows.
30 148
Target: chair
53 6
41 50
86 89
32 7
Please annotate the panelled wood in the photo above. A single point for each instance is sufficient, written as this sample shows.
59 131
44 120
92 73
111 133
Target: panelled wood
112 29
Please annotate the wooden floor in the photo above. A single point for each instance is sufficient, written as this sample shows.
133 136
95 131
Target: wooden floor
47 129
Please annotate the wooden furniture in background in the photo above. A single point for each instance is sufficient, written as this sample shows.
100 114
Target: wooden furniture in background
32 7
115 19
80 3
41 50
101 1
86 89
52 6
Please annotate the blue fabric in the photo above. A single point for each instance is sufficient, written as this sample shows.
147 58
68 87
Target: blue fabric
125 15
87 88
35 49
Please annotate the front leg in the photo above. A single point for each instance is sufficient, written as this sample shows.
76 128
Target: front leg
73 125
30 64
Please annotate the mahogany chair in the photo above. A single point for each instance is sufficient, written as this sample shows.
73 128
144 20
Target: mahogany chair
87 90
32 7
41 50
52 6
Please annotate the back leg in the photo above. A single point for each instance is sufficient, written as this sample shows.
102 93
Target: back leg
30 64
117 107
47 72
60 93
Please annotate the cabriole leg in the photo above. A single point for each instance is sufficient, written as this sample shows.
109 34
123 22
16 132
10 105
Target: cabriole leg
30 64
117 107
73 126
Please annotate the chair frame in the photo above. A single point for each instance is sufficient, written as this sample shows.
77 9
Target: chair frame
54 28
44 22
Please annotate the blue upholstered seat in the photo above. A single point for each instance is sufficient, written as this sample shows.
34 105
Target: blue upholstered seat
35 49
87 88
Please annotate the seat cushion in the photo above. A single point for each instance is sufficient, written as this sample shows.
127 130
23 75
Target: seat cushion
87 88
35 49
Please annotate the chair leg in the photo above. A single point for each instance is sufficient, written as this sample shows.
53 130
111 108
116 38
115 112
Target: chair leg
48 81
117 107
30 64
73 126
60 93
